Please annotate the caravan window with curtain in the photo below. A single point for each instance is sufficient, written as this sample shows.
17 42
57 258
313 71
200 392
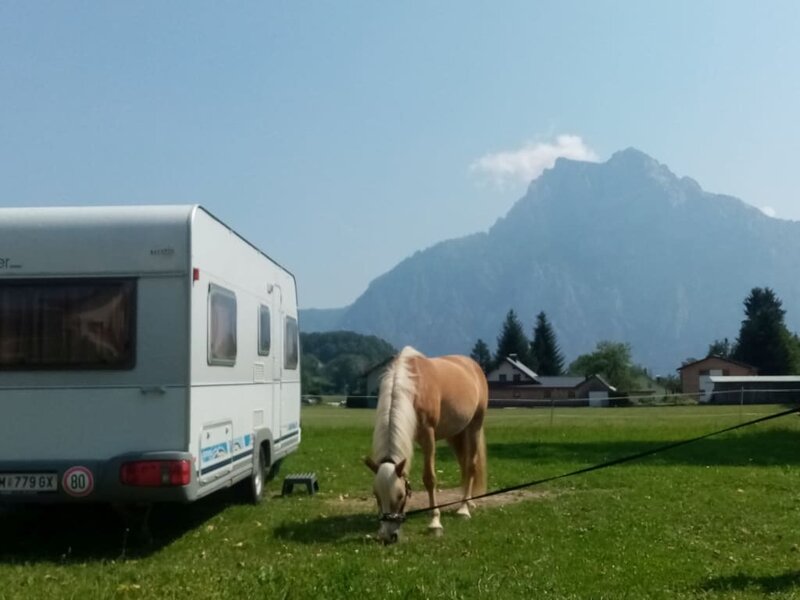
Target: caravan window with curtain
221 326
63 324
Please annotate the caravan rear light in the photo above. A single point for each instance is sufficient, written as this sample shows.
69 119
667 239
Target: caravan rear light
156 473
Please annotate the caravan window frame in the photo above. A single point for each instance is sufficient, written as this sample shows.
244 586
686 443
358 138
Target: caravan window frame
264 348
215 293
291 344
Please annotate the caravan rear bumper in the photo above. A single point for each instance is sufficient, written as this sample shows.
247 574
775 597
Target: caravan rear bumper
66 481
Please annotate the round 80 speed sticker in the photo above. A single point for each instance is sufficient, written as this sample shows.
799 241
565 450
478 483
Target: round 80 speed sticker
78 481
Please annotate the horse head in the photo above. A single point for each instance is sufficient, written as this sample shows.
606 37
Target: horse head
392 491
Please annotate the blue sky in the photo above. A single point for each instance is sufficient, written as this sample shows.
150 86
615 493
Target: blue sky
341 137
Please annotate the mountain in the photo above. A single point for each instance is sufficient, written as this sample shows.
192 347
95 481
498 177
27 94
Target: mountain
622 250
321 319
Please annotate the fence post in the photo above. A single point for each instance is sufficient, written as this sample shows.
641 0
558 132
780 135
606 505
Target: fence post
741 401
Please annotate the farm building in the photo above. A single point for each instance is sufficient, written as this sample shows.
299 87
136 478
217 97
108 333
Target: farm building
373 376
372 385
694 375
753 389
514 384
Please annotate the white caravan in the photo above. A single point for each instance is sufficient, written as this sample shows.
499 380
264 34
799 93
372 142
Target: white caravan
147 354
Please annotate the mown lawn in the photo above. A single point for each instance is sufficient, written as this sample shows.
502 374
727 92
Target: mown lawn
716 519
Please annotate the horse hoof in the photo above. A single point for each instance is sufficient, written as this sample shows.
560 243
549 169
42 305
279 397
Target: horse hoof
464 512
436 531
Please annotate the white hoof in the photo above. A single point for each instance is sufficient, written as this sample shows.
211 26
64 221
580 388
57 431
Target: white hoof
435 526
436 531
464 512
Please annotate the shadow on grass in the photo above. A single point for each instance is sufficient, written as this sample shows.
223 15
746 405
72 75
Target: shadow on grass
772 447
65 533
766 584
328 530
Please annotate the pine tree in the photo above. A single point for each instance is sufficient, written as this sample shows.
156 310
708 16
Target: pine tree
481 355
764 341
546 358
512 340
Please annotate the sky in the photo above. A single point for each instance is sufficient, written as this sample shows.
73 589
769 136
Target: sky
342 137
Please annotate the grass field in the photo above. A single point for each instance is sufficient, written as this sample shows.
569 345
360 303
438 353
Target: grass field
716 519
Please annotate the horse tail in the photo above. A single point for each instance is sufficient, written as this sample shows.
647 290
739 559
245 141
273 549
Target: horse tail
479 483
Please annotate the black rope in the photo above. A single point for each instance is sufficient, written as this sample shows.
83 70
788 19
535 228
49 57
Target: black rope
610 463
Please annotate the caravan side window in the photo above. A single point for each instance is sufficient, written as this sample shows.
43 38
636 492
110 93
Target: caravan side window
263 330
291 345
221 326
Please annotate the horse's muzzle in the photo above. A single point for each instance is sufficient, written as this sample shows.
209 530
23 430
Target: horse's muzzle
392 539
390 523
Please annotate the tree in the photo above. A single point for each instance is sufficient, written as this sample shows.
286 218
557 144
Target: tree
512 340
611 360
335 361
345 372
721 348
312 380
546 358
764 341
481 355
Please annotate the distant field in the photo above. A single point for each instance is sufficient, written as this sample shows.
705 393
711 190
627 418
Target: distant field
717 519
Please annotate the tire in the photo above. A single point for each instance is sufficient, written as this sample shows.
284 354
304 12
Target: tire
254 485
274 470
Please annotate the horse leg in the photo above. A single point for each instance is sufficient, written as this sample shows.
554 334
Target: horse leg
466 449
460 445
474 460
427 441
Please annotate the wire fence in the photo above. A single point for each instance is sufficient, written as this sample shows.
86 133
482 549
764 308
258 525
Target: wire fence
742 395
736 399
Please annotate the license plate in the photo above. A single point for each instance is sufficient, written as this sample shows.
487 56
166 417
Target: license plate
28 482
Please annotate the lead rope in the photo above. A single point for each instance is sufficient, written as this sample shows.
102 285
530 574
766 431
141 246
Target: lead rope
610 463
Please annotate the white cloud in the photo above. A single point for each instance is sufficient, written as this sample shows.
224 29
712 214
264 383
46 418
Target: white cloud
768 210
528 162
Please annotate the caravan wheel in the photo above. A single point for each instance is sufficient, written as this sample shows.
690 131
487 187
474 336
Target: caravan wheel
254 485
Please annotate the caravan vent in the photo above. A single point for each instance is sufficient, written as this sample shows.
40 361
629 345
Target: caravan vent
259 373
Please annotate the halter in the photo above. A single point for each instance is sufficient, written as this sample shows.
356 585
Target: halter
397 517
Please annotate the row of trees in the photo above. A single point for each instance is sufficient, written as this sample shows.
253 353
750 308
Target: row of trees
334 362
764 341
542 354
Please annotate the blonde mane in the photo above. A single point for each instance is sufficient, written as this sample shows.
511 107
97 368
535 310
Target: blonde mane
395 418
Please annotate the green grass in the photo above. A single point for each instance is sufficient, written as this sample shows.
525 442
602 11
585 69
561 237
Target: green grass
715 519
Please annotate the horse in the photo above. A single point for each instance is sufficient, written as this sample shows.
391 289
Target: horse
426 399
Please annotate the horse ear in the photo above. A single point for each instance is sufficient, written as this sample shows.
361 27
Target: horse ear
400 467
370 464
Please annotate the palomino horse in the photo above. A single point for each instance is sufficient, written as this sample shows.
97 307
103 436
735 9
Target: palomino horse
426 399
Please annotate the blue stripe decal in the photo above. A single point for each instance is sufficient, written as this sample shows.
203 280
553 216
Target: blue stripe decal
213 468
242 455
226 463
287 436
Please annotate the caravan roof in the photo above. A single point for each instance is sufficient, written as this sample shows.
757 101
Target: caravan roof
97 240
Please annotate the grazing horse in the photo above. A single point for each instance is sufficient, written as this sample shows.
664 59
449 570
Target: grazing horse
426 399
